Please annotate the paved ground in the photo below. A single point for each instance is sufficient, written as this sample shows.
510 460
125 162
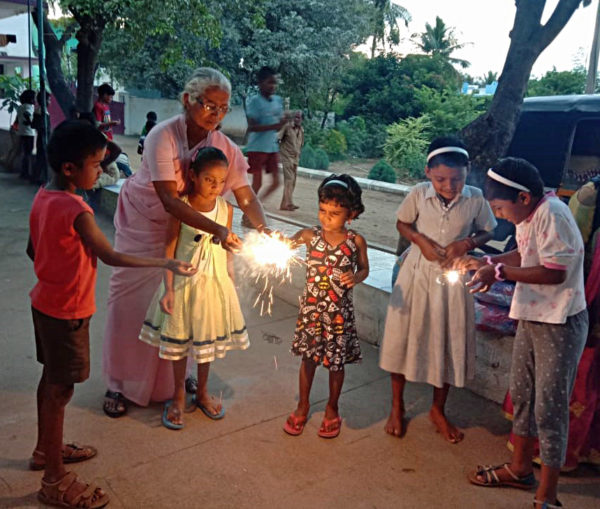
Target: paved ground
245 461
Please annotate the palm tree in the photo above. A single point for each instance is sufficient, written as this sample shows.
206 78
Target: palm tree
386 23
489 78
440 40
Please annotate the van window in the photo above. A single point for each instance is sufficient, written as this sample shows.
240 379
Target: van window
584 160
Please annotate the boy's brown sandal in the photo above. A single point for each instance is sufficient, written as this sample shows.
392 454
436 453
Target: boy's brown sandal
56 493
72 453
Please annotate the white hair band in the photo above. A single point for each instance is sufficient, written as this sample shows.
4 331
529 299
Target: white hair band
507 182
336 182
444 150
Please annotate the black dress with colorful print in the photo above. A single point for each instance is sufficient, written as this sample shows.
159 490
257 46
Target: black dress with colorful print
325 330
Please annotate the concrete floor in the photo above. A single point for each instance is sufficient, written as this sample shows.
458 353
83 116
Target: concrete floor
245 460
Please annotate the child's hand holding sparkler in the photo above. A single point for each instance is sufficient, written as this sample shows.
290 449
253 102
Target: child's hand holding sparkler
483 279
455 250
431 250
466 263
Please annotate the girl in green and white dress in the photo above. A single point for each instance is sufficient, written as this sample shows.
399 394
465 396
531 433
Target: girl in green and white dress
200 316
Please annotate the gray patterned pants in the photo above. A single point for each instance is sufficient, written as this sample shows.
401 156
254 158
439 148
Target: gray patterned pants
544 365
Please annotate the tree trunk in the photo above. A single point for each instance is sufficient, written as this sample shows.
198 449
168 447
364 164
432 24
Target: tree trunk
489 135
89 36
56 79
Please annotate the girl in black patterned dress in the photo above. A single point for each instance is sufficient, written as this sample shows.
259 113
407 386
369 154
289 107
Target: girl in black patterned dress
325 334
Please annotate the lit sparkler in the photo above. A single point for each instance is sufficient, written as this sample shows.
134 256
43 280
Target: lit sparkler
449 277
269 260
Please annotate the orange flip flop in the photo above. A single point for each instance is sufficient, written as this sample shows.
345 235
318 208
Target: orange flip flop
327 431
297 426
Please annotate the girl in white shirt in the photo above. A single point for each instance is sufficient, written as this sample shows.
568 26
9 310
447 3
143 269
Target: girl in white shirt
550 305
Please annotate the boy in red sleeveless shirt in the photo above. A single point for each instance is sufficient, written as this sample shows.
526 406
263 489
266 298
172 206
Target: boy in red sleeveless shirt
64 243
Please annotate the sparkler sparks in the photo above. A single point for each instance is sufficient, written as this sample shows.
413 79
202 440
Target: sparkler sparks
449 277
269 260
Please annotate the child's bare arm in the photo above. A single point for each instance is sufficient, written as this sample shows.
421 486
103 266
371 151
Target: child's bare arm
93 237
301 237
172 235
30 251
485 277
351 279
230 267
461 247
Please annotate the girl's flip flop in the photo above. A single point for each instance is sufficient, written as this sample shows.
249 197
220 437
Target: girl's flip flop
165 418
330 428
207 412
296 426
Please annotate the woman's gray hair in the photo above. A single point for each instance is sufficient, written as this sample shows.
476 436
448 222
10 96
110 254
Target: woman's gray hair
203 78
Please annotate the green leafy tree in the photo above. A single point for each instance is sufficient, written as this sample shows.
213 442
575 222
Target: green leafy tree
387 17
309 44
141 18
489 135
11 87
406 145
440 40
382 90
558 83
448 111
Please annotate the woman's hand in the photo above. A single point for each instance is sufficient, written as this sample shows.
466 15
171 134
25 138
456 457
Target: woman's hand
228 240
232 243
180 268
431 250
347 279
166 302
483 279
467 263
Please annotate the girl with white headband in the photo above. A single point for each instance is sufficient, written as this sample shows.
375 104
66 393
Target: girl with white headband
550 305
430 327
336 261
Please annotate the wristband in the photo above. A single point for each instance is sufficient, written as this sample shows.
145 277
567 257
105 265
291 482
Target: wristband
498 274
488 260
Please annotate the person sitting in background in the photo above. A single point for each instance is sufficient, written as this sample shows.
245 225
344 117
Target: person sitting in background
124 166
151 120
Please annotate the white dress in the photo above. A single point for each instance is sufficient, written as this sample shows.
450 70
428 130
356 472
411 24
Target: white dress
207 319
430 327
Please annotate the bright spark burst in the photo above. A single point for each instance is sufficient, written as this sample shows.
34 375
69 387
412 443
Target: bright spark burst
269 260
451 277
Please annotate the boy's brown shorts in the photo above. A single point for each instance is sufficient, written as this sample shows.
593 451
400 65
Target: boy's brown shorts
269 161
63 347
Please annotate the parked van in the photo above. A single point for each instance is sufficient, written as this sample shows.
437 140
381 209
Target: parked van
560 135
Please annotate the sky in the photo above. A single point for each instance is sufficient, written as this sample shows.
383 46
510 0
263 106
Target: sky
485 24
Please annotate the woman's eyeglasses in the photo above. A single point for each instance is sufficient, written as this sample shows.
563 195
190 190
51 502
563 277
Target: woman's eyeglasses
213 108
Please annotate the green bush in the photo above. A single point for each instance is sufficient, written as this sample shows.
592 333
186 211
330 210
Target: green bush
313 133
382 171
321 159
406 145
307 157
354 130
335 144
374 140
